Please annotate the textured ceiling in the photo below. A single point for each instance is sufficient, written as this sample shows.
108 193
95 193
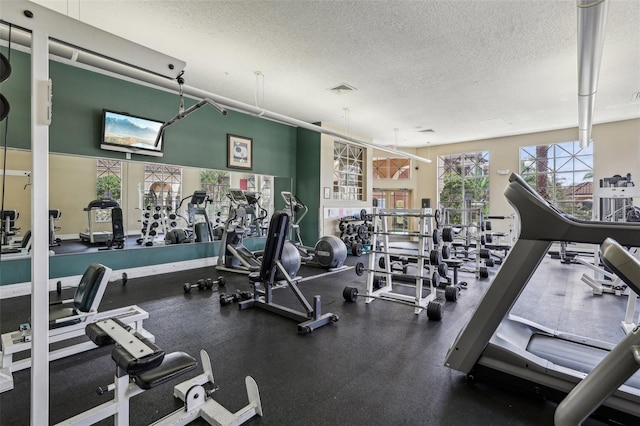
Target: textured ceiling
467 70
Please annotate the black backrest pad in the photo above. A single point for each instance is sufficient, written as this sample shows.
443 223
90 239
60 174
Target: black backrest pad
117 224
88 287
25 239
276 236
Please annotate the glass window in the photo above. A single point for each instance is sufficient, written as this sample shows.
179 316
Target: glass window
109 179
108 185
463 181
162 185
392 168
348 171
216 184
562 174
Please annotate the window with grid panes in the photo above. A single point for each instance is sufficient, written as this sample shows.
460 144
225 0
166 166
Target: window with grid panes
162 185
562 174
392 168
108 185
463 181
348 171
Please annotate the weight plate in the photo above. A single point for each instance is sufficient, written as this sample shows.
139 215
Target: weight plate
381 263
447 234
350 294
4 107
443 270
437 238
446 252
434 257
5 68
360 268
362 231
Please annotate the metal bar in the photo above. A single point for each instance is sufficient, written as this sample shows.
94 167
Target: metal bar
40 109
87 38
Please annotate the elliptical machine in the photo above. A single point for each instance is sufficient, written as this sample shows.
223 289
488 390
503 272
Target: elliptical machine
234 256
329 252
199 227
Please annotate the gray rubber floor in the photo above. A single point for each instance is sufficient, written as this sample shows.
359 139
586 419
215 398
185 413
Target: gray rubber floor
380 364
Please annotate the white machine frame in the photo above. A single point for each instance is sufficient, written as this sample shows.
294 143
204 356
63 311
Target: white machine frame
197 401
20 341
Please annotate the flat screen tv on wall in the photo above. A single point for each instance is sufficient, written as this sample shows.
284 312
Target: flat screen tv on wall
129 133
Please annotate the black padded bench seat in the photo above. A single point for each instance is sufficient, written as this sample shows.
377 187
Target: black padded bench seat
150 370
172 366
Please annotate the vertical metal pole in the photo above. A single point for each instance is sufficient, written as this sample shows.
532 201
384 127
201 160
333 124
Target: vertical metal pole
39 228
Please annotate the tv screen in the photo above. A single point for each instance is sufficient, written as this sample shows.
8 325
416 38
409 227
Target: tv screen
128 133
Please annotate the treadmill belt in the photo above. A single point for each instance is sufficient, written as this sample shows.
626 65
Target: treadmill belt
569 354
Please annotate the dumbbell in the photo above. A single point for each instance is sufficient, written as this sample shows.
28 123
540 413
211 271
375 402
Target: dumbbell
227 299
203 284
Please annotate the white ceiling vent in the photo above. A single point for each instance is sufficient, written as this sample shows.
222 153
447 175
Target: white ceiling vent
342 88
426 131
636 96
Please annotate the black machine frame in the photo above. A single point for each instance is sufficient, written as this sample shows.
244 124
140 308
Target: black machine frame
312 317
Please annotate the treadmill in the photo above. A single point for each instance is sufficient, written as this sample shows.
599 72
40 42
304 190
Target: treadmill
515 347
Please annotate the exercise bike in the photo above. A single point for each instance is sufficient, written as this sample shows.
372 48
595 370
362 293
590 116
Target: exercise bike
329 252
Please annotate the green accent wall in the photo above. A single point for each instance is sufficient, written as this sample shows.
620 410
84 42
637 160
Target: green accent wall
198 140
308 182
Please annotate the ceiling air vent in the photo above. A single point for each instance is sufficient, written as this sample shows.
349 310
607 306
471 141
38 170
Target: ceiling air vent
342 88
426 131
635 96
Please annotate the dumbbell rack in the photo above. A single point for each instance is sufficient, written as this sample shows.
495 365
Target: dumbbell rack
156 220
383 288
356 233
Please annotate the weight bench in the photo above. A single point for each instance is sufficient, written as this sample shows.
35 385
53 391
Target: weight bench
54 214
67 320
8 229
22 250
141 365
309 320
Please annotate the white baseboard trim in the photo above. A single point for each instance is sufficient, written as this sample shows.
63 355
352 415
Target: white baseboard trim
24 289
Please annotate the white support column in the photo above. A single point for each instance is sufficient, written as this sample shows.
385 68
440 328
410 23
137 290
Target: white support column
40 108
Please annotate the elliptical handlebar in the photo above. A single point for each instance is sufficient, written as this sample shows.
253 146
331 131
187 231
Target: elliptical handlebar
294 204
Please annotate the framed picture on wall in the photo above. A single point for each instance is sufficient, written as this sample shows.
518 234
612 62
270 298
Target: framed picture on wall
239 152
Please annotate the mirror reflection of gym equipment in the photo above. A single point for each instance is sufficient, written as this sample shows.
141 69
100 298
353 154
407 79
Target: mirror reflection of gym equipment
244 220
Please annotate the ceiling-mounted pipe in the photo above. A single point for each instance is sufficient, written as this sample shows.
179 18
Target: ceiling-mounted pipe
85 58
592 15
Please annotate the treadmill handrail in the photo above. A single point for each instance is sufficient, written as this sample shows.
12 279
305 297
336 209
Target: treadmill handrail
542 222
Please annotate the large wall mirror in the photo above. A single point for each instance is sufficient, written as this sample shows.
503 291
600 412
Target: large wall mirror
158 201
